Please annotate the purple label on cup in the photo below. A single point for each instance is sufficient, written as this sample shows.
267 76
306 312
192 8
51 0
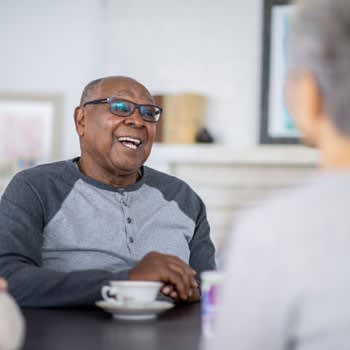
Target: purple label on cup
210 286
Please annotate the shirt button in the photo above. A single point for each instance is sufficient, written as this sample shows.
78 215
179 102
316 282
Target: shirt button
129 220
125 204
131 240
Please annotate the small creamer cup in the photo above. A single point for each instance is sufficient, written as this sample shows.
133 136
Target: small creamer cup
210 282
131 292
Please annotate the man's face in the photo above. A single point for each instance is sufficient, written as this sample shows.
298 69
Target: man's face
103 134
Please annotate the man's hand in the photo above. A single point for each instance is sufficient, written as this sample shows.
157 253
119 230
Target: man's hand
168 269
171 292
3 285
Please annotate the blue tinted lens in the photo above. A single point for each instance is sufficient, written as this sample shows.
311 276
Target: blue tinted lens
150 113
121 108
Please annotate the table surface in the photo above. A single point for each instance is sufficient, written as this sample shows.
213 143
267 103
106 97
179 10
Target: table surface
92 328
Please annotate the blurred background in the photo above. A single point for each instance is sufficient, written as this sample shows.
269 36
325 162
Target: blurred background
201 48
212 48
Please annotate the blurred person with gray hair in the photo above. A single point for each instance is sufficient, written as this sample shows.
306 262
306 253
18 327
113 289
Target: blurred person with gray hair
12 324
287 282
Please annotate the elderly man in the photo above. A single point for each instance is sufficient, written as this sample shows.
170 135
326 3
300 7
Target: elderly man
287 280
69 227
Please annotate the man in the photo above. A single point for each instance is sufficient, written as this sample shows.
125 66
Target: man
69 227
287 282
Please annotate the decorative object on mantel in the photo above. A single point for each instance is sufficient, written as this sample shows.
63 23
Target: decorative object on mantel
159 100
276 125
183 115
204 136
29 130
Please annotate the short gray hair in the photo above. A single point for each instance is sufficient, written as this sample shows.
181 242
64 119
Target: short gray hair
90 90
319 43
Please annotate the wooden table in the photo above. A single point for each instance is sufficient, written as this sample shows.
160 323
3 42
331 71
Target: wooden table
92 328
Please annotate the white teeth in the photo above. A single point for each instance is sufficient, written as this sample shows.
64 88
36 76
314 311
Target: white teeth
130 139
129 142
130 145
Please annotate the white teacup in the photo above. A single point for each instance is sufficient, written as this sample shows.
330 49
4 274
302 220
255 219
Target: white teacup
131 292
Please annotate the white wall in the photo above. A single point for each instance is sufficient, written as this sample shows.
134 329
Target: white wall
206 46
194 45
50 47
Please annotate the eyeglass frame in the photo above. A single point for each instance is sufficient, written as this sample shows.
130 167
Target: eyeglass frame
137 106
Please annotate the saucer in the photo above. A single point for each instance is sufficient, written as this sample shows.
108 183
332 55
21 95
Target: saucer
135 311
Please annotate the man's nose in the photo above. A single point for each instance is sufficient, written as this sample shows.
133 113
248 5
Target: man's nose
135 119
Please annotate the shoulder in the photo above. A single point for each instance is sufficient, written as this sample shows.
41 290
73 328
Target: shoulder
290 232
317 194
288 217
40 190
175 189
40 178
39 173
166 182
274 210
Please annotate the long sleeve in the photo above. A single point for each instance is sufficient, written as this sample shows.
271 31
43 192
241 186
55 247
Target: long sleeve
201 246
21 235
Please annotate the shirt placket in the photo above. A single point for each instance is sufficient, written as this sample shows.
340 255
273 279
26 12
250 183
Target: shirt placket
128 222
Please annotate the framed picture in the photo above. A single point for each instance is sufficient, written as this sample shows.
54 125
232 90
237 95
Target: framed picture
30 130
276 124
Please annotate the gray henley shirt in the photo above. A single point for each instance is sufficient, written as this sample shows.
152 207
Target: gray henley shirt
63 235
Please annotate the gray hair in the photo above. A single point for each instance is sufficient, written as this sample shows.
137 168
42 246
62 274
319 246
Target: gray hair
319 43
90 90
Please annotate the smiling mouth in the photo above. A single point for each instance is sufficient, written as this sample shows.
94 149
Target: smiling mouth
130 142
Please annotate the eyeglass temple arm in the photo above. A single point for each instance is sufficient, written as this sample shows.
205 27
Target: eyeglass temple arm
96 102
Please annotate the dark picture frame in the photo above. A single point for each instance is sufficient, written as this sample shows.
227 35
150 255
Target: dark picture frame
276 125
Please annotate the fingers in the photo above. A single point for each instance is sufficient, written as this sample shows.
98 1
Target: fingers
171 292
175 278
185 286
174 295
187 279
185 270
195 295
169 269
176 261
184 273
167 289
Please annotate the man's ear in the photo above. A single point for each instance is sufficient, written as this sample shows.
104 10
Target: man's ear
312 98
306 105
79 120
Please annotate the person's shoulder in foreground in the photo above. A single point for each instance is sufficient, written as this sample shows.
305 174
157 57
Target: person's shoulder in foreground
285 271
69 227
287 284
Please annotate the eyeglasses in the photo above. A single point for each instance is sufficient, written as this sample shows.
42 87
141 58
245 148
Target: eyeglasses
124 108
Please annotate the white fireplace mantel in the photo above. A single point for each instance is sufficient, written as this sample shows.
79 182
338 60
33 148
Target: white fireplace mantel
228 179
164 156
